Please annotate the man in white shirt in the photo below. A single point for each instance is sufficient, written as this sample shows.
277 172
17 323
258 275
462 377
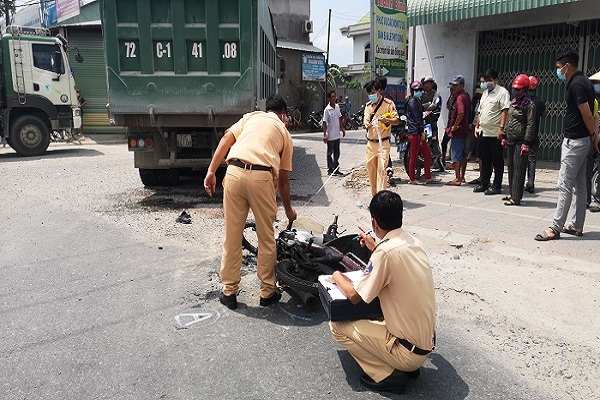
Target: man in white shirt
491 125
332 118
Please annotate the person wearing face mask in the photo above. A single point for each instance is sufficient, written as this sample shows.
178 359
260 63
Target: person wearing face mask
579 135
491 125
391 351
540 112
378 133
458 128
520 133
432 105
416 134
259 156
592 202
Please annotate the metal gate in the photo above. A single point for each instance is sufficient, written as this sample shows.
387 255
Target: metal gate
533 50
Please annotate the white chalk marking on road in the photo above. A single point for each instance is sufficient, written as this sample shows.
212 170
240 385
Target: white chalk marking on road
188 318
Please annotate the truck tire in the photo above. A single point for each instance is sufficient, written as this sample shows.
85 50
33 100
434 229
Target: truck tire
29 136
159 177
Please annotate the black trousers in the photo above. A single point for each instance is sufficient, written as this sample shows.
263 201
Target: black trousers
445 141
517 167
532 160
490 152
333 154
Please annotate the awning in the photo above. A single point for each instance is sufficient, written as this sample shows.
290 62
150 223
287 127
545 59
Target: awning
423 12
309 48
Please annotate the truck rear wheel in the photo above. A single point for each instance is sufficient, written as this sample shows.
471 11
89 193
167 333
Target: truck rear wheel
159 177
29 136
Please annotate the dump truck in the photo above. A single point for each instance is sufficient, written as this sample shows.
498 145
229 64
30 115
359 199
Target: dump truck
181 72
37 89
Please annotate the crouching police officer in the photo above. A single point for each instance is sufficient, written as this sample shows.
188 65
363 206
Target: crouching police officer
260 158
390 351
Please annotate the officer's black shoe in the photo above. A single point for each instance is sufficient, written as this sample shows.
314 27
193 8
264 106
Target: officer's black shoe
228 301
396 383
414 374
267 301
492 190
480 188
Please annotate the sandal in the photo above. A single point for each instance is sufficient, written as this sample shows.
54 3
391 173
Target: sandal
544 236
507 198
512 202
433 181
572 231
453 182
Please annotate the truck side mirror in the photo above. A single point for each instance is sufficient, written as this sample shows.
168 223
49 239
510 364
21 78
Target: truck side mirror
79 57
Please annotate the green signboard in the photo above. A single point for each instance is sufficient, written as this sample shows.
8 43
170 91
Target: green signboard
389 37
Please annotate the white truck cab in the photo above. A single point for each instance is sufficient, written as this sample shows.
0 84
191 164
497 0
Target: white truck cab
38 95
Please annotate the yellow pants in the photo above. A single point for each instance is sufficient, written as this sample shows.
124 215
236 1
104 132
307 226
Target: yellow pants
376 165
374 348
244 190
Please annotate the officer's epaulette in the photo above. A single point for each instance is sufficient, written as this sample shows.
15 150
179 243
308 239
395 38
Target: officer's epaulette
387 100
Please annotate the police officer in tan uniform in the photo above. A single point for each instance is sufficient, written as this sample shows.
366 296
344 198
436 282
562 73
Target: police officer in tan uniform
377 125
259 159
392 350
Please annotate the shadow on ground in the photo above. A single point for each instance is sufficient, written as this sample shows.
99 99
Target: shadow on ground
52 154
438 380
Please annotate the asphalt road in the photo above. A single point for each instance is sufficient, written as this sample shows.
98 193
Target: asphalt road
104 296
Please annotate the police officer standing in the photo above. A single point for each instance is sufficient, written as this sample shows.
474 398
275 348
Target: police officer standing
380 115
259 159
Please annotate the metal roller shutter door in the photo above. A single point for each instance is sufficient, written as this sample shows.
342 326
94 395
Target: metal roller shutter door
532 51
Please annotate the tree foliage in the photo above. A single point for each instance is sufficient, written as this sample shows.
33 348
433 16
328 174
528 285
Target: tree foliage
7 8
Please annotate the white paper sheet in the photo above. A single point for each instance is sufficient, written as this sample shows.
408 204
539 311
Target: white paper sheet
333 289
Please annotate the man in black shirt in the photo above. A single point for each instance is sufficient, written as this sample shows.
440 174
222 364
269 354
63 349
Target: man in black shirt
579 134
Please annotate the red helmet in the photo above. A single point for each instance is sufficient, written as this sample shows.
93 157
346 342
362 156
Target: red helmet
416 85
533 83
521 82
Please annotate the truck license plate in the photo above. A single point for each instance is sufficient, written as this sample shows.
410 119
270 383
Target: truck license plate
184 140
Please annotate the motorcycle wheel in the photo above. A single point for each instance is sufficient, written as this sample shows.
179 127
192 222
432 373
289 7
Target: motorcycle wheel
301 279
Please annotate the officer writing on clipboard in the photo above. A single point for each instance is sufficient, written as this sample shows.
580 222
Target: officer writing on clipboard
390 351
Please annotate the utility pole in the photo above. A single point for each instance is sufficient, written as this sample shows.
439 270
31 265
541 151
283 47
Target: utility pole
7 13
372 43
327 59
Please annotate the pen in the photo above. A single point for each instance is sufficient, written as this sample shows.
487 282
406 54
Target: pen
366 233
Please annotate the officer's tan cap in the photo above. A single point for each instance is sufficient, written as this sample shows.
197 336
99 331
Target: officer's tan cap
595 77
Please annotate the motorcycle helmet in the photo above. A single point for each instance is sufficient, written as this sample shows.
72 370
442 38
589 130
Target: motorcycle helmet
416 85
521 82
533 83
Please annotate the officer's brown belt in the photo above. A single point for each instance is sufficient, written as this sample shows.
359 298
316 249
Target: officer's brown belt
377 140
249 167
412 348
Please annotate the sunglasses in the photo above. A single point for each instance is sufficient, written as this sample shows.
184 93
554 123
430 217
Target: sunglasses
418 90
